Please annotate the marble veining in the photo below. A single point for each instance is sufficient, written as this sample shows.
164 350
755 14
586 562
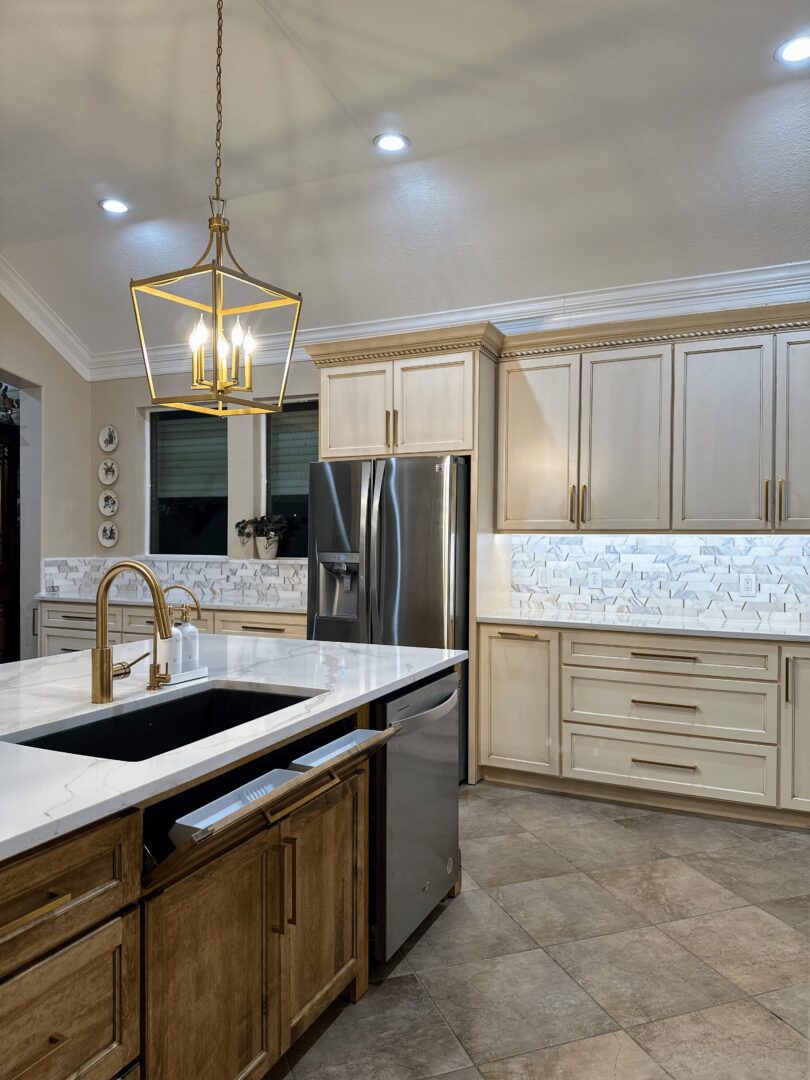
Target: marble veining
219 582
44 793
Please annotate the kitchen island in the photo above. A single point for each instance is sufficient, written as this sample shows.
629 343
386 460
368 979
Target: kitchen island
128 948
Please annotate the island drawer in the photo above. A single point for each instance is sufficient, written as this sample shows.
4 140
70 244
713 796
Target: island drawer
77 1012
726 658
75 616
716 708
261 624
64 889
731 771
141 620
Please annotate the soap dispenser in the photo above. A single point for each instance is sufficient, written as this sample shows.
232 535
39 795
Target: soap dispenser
190 640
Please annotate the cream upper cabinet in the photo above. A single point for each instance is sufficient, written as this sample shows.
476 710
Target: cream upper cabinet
793 431
356 410
794 785
519 695
433 404
538 435
625 438
723 434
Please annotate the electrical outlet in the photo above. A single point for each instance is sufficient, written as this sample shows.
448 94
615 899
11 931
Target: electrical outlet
594 578
748 584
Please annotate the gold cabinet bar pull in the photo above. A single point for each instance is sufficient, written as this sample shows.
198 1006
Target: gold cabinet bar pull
781 498
265 629
767 502
664 704
55 900
281 926
582 493
664 656
292 843
55 1042
662 764
572 504
388 428
519 637
396 426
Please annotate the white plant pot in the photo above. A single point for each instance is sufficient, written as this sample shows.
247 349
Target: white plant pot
248 547
267 546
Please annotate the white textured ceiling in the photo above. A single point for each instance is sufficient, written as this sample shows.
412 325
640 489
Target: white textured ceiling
558 145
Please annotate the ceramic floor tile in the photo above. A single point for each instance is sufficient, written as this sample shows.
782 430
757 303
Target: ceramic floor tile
487 790
642 975
395 1032
750 830
565 908
479 817
753 949
794 910
758 872
463 1074
791 1004
471 927
468 882
602 844
398 965
502 860
513 1004
613 1056
667 889
541 811
680 834
742 1041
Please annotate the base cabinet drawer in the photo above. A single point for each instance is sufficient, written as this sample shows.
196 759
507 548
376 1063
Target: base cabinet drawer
718 708
141 621
261 624
731 771
75 1014
55 642
676 655
76 616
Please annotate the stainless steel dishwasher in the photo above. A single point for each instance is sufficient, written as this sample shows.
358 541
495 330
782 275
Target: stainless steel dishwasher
416 808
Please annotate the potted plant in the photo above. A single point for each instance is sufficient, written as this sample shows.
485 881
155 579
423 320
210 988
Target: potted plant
268 530
244 530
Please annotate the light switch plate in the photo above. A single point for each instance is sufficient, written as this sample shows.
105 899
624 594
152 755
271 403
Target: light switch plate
748 584
594 578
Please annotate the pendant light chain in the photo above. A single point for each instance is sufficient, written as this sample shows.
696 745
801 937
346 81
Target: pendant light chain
218 140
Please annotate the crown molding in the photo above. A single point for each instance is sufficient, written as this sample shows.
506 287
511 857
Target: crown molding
756 288
483 336
44 319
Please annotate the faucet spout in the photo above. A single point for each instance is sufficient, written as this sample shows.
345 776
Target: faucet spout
102 654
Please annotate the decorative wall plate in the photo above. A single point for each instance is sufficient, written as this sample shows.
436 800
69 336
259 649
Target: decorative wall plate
108 438
108 471
108 502
108 534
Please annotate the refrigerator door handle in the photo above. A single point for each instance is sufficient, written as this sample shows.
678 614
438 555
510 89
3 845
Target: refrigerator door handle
364 569
374 550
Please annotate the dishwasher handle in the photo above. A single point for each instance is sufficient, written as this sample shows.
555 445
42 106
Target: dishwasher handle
430 716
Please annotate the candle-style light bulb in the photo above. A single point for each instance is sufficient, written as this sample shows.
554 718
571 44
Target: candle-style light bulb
250 348
249 343
237 334
198 335
197 343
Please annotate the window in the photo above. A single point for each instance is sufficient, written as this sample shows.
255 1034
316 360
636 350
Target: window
189 484
292 443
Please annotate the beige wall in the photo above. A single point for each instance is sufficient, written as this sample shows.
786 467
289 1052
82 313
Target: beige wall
125 403
55 487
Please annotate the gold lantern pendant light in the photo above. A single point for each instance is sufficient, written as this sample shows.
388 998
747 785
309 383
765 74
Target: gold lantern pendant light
222 347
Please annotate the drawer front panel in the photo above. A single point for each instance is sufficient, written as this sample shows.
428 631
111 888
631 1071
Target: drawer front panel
731 771
76 1013
55 642
75 616
261 624
674 655
141 621
717 708
49 897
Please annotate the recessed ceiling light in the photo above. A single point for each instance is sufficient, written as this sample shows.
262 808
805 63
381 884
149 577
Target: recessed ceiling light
795 51
391 142
113 206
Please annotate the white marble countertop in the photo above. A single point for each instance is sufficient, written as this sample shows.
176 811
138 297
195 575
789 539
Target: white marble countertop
774 629
45 793
285 608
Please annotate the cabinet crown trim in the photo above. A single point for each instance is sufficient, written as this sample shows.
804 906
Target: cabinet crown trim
481 336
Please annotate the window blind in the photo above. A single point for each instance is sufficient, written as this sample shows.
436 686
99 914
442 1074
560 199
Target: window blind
191 456
293 444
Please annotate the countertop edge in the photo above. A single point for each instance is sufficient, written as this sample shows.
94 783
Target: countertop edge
723 629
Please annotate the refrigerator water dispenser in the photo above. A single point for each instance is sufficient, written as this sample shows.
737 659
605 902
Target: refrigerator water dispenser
338 585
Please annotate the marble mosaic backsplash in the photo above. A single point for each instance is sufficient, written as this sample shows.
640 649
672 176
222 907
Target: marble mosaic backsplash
664 575
238 582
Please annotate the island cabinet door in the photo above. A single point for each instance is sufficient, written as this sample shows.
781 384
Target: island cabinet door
519 698
211 967
324 942
794 787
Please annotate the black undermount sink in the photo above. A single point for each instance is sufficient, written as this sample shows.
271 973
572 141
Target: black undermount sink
166 725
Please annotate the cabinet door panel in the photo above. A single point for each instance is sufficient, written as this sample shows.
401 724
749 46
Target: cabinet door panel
795 747
433 404
538 436
723 434
356 403
793 431
211 969
519 696
324 943
625 438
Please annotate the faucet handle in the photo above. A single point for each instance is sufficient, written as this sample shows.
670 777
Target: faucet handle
123 669
158 676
